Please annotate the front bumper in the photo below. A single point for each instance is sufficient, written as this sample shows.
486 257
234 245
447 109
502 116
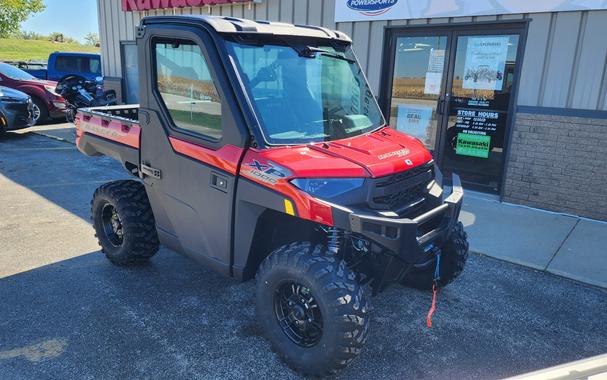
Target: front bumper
16 115
413 240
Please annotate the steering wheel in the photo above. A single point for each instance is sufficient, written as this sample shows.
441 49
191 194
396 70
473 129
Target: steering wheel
265 74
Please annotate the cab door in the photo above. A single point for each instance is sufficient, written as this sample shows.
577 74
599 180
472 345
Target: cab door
191 142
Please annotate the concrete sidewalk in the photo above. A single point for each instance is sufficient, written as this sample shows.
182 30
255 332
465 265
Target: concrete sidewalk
564 245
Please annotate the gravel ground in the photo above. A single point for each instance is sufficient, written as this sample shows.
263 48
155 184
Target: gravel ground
66 312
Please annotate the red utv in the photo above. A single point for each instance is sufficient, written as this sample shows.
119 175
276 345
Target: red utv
260 151
47 104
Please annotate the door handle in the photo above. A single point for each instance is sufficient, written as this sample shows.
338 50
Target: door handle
148 171
440 107
219 182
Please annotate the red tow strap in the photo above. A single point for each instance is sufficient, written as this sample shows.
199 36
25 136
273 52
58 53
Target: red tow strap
434 291
433 307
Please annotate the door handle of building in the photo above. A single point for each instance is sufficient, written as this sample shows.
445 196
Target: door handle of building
440 107
219 182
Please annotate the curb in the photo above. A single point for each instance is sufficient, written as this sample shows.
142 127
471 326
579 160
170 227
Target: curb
42 133
557 274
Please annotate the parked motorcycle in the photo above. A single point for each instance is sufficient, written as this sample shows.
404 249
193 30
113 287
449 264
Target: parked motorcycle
81 93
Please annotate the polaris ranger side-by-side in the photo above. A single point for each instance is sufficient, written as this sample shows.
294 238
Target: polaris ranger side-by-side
260 151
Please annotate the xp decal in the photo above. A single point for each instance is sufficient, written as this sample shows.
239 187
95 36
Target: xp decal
266 172
371 7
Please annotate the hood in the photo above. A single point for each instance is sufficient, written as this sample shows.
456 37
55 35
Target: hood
377 154
39 82
12 93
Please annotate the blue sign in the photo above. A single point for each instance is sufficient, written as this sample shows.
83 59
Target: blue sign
371 7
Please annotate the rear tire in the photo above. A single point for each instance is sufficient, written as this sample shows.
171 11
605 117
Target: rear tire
453 259
124 222
324 293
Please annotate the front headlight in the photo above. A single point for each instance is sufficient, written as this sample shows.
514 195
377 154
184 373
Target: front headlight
327 187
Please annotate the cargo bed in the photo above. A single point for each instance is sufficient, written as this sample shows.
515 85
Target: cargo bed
111 131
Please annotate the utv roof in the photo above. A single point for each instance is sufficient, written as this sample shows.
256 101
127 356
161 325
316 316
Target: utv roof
238 25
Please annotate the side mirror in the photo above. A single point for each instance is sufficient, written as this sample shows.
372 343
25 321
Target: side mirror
99 80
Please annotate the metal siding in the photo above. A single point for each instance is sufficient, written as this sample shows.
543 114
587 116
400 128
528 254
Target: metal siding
591 63
548 76
533 60
376 45
328 12
273 10
249 11
112 12
315 12
346 27
360 42
560 59
103 38
300 12
286 11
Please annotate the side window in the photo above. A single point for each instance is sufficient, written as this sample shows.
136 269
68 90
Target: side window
94 66
187 88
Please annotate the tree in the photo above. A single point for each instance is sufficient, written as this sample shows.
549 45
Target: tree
55 37
14 12
92 39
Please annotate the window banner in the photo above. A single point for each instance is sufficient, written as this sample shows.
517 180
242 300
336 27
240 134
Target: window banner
485 63
414 119
370 10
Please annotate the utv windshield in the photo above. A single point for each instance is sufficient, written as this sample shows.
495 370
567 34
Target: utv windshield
305 93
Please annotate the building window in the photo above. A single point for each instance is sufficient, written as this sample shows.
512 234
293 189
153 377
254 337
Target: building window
187 88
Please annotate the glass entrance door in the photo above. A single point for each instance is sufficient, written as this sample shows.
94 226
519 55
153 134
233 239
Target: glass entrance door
452 87
417 86
479 100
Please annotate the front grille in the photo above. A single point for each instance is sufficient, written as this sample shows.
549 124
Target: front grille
398 177
407 197
404 192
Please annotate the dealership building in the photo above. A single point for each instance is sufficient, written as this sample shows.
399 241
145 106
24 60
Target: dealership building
509 94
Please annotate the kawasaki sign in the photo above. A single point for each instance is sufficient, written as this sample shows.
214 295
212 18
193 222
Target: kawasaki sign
144 5
370 10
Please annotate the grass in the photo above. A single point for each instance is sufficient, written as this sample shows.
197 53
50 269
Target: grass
26 50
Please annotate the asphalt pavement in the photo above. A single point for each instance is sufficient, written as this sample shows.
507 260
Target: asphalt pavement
66 312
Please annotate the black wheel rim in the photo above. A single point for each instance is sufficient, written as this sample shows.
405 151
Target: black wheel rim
112 226
298 314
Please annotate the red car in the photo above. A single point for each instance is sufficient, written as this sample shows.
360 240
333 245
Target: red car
47 104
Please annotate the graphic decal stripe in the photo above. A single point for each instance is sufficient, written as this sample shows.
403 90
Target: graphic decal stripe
225 158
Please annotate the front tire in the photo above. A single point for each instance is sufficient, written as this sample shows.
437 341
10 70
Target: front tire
40 111
453 259
328 323
124 222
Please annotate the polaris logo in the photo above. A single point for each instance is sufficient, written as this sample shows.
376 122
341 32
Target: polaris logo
371 7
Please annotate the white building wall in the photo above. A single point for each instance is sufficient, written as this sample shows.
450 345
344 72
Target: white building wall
564 64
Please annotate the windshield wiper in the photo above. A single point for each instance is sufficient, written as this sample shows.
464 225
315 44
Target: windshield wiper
310 52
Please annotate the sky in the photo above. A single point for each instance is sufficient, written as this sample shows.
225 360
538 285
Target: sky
73 18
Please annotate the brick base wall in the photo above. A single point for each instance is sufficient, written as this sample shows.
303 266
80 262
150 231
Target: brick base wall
559 163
